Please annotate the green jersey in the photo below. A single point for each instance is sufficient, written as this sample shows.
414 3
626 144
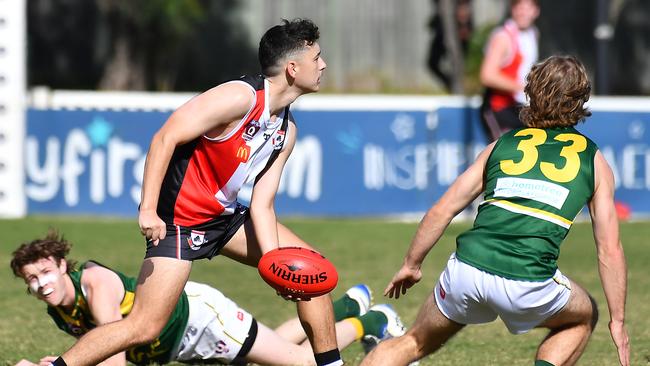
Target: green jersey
536 182
80 320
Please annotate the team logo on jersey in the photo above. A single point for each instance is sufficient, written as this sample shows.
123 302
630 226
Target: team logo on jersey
221 347
442 293
242 153
278 140
196 239
76 330
251 129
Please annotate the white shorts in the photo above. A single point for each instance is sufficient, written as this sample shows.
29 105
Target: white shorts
468 295
216 329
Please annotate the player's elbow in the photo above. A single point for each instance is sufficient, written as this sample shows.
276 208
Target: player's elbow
486 76
262 207
612 251
164 139
441 212
149 334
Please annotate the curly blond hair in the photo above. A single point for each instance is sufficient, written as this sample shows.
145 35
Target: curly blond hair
557 89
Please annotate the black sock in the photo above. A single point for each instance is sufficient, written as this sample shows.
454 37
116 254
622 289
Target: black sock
329 358
59 362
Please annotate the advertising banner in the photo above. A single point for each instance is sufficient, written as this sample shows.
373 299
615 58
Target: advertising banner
345 163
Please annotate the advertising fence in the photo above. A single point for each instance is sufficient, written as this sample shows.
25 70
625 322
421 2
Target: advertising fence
355 155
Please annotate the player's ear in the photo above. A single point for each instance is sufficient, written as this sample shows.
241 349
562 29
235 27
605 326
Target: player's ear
292 68
63 266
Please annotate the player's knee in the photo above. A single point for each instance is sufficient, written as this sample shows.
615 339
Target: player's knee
594 313
146 330
417 345
151 332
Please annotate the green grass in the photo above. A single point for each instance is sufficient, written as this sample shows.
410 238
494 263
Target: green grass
363 250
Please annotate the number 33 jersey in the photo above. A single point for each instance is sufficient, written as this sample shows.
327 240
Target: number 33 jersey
536 182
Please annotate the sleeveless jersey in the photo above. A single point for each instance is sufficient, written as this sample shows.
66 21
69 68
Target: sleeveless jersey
536 182
205 175
79 321
523 56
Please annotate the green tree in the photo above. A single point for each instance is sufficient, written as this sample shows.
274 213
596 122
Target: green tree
144 39
136 45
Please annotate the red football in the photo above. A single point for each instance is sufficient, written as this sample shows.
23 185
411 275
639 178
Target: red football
298 271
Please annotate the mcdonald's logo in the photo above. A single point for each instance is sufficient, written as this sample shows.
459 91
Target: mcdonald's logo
243 152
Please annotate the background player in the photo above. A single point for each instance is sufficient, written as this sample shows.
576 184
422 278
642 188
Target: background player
205 324
536 180
511 51
234 133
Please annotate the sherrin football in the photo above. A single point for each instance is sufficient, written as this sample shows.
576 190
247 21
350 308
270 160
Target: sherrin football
298 271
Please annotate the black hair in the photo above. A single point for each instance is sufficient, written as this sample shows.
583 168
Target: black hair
284 39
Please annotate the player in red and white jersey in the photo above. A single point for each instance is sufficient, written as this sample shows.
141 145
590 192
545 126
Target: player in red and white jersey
510 54
206 174
234 133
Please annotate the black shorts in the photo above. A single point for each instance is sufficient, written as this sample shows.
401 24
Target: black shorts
198 242
496 123
508 118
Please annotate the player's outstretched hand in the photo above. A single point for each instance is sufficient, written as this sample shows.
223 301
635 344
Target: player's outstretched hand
404 279
621 340
151 226
47 360
24 362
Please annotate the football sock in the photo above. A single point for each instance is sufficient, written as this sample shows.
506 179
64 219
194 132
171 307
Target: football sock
345 307
59 362
374 323
329 358
543 363
358 327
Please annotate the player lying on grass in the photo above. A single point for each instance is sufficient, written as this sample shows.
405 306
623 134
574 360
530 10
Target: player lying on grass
205 325
535 181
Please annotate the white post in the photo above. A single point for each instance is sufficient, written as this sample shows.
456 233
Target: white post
12 107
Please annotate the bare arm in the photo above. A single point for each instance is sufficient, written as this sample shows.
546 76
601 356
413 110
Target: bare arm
24 362
104 293
611 260
463 191
498 50
262 201
211 110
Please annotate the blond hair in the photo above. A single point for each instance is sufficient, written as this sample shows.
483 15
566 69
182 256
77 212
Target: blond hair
557 89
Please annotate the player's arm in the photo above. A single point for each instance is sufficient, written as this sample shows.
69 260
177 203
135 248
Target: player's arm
497 51
209 111
104 293
262 200
24 362
611 259
463 191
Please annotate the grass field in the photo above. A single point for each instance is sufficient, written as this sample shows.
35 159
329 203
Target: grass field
363 250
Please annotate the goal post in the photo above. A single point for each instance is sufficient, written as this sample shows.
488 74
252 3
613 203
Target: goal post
13 36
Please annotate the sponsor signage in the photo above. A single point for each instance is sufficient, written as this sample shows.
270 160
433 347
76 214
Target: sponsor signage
345 162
